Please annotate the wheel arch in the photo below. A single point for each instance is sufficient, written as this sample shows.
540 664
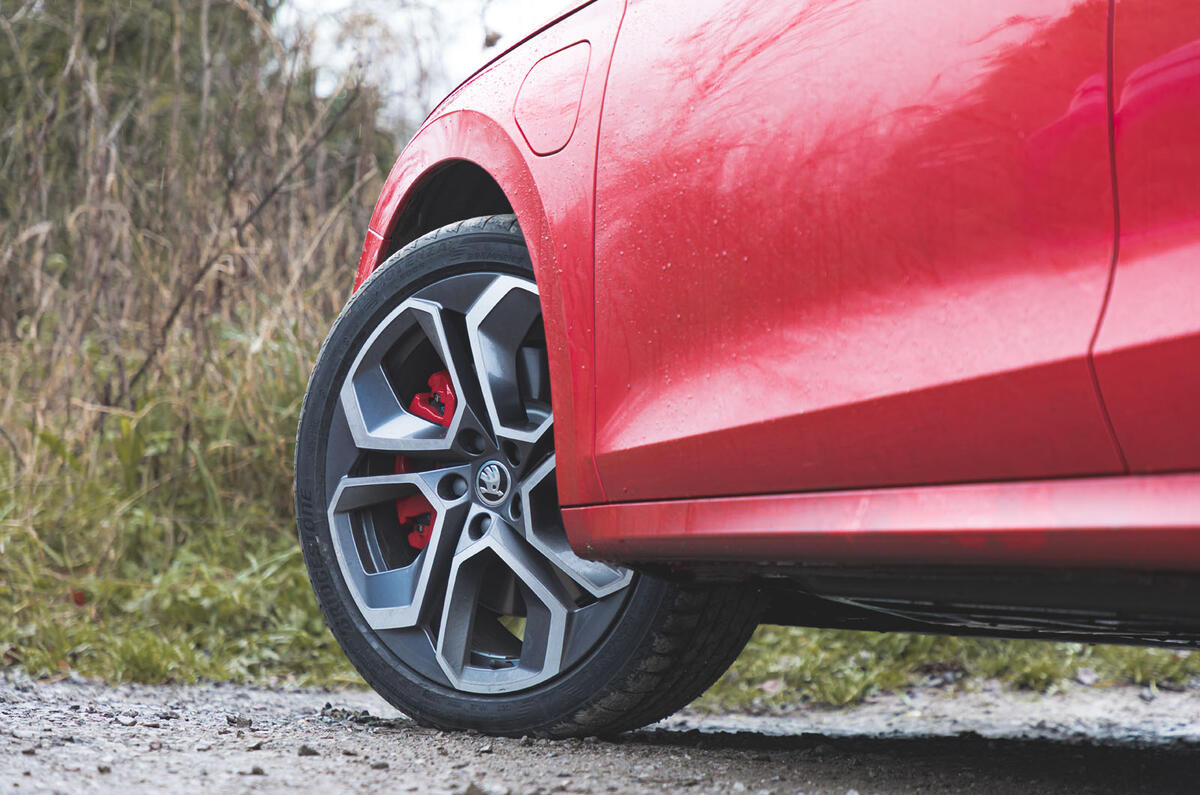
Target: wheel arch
460 165
455 190
464 164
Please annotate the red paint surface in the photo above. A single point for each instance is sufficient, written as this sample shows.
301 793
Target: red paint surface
371 258
884 227
414 511
438 404
547 105
1148 351
552 197
1150 522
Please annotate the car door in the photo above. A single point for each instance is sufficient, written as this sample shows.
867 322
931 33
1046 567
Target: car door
851 244
1148 350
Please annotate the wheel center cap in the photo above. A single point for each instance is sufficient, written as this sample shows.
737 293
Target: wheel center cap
492 483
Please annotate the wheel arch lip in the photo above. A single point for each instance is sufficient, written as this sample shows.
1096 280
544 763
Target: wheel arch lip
474 137
463 135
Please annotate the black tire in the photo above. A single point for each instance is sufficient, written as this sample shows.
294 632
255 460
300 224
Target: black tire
665 642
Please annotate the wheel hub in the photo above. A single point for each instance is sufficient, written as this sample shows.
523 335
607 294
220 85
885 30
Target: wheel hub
492 483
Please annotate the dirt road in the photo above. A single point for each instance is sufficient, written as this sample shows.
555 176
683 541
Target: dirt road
83 737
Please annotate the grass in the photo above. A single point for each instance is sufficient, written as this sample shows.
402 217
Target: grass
785 666
162 549
190 212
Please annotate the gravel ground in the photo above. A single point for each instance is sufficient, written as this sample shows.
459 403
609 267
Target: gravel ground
80 737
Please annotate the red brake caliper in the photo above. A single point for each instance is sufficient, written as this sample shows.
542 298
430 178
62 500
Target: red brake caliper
437 406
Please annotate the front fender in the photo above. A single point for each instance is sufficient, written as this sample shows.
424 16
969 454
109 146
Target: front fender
552 196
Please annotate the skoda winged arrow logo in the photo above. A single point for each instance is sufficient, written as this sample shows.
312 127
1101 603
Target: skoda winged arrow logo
492 483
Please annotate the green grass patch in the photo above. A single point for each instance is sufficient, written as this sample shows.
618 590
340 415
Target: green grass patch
160 546
786 666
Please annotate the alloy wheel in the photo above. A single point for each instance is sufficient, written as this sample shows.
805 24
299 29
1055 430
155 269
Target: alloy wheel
441 497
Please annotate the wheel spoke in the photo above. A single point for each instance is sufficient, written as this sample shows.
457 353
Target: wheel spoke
497 554
542 527
378 417
511 373
395 598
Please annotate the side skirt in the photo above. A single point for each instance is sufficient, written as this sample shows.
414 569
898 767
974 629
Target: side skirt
1138 523
1113 559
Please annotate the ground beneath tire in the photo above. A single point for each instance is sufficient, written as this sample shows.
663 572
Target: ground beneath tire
79 737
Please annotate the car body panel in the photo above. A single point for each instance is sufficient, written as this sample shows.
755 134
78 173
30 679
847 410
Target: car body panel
1148 350
1126 522
552 198
851 244
547 107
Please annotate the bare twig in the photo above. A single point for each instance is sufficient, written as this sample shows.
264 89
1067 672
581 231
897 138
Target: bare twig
16 450
238 227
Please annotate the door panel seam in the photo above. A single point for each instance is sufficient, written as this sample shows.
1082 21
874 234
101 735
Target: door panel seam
1110 90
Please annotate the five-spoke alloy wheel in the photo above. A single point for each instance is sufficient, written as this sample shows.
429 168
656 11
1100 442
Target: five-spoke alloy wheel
429 516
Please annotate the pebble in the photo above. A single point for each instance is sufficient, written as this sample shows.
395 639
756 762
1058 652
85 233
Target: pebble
486 789
379 765
307 750
126 720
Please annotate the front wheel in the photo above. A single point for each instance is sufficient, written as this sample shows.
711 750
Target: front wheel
428 515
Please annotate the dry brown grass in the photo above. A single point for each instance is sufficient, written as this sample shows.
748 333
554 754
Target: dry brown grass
180 218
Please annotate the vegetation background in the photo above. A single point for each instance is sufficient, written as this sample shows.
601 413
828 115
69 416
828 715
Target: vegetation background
180 217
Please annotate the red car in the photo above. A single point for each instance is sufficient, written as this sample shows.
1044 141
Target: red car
680 317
